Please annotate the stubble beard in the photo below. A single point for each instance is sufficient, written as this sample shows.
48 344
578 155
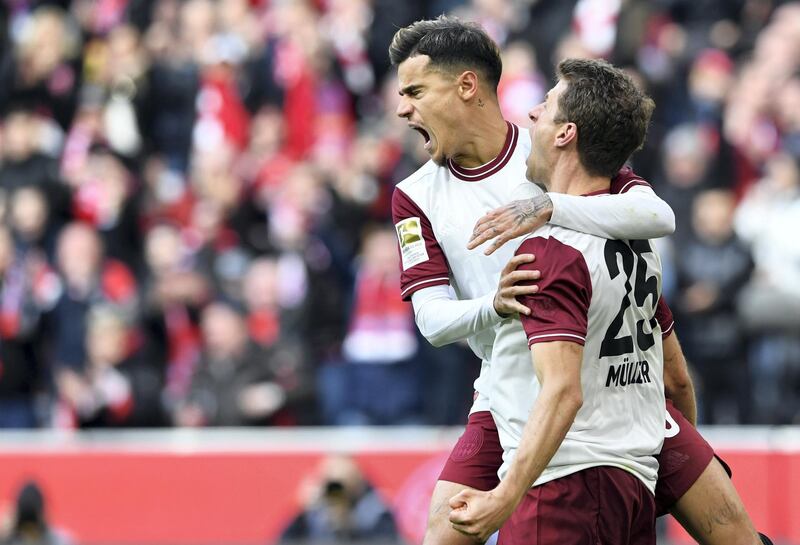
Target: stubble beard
536 171
535 175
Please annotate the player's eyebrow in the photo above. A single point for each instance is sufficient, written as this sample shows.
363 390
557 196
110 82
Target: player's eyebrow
409 89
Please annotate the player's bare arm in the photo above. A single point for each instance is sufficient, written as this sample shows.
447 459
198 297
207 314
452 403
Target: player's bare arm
558 368
677 382
511 221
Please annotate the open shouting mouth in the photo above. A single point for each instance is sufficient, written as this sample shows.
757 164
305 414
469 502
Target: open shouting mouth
425 135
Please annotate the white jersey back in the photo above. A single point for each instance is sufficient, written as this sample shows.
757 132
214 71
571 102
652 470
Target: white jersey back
601 294
435 210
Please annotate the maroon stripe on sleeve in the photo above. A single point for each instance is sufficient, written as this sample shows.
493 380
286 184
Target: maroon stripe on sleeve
560 310
626 179
425 272
664 317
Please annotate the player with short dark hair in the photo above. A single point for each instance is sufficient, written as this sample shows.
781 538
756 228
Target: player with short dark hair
603 102
459 117
579 428
451 45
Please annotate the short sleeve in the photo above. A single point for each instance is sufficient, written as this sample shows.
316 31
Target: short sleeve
422 261
664 317
560 309
625 179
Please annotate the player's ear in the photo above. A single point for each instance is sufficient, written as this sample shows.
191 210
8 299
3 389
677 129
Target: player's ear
566 134
467 85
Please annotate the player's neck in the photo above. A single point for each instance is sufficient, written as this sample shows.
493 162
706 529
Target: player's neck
570 178
483 137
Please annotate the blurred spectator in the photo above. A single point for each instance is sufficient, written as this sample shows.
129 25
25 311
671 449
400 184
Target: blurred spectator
686 160
261 293
27 216
378 381
25 164
340 506
117 386
712 268
168 107
105 198
768 219
29 524
27 290
522 84
544 26
173 294
243 150
43 67
239 383
265 163
315 235
709 82
87 278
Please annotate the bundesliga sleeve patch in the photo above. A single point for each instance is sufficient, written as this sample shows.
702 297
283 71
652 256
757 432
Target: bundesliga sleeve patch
412 245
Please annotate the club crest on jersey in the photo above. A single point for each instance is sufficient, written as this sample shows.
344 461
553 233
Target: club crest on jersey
412 245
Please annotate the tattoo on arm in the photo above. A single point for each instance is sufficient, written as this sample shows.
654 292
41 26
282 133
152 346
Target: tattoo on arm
533 208
542 204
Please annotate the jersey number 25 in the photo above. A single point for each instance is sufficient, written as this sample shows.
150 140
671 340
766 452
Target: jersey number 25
643 287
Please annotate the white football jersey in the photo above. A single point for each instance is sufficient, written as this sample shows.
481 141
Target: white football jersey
602 294
435 210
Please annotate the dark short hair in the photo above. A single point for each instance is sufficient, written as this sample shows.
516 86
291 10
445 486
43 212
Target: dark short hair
610 111
451 45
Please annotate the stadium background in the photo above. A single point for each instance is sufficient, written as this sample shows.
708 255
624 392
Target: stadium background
196 234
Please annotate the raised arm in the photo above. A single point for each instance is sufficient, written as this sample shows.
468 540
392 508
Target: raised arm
635 215
633 211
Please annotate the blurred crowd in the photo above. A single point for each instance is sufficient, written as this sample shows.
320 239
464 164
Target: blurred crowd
195 203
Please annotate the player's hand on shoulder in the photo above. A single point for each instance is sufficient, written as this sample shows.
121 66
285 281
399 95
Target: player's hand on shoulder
511 221
514 283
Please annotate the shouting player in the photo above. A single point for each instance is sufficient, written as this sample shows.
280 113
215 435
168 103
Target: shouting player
448 74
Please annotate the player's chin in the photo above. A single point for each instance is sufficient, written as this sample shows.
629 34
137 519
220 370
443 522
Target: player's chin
532 173
439 158
529 174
